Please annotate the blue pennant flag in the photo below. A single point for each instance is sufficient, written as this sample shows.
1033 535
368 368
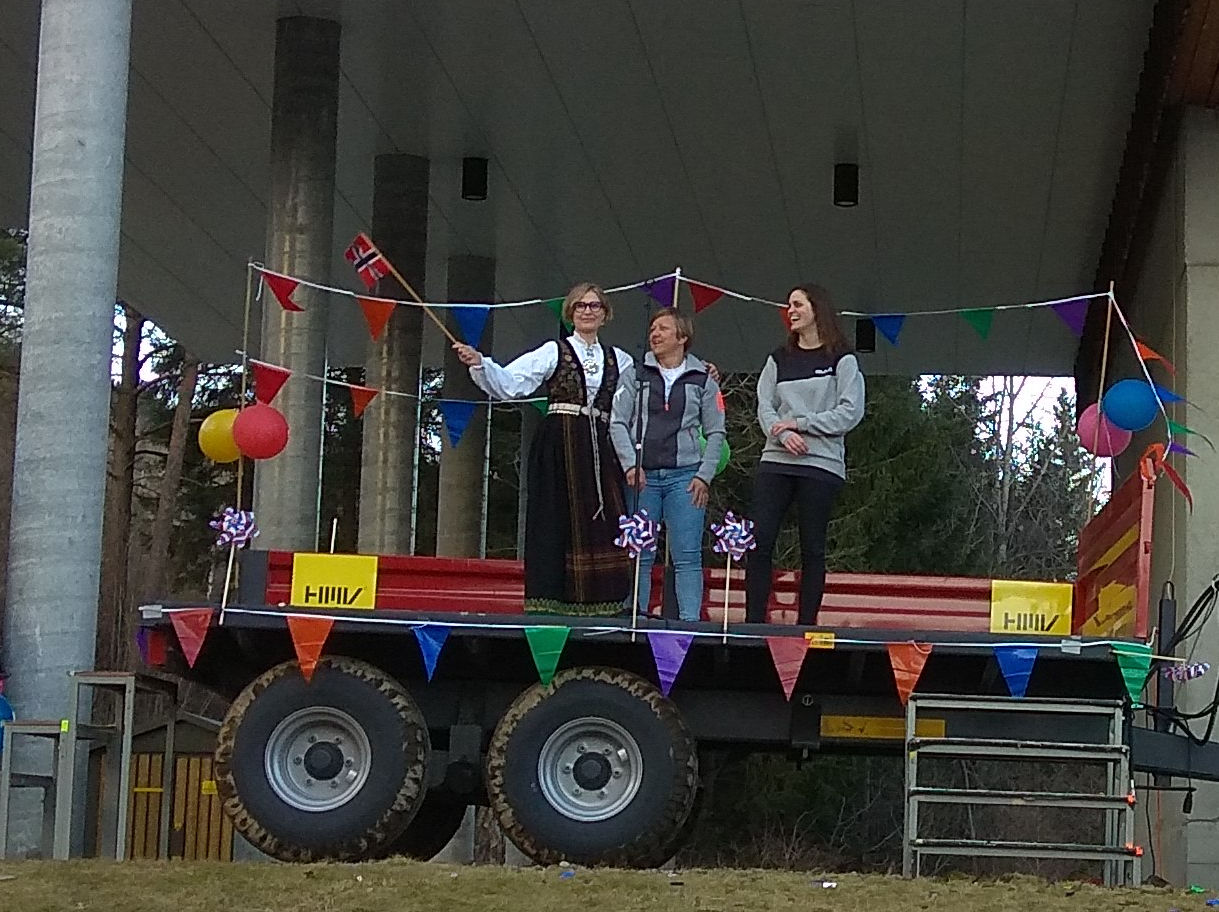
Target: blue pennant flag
1166 395
473 320
431 639
890 325
1016 663
457 417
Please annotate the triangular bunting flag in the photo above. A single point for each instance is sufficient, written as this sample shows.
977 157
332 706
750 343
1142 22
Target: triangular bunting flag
268 380
360 397
141 643
282 287
1179 483
472 320
907 660
661 290
704 295
788 655
555 306
980 320
542 405
308 639
151 644
191 625
1175 447
1167 395
546 645
1073 312
1147 353
669 650
431 639
1176 428
1134 659
457 417
889 325
1016 663
376 314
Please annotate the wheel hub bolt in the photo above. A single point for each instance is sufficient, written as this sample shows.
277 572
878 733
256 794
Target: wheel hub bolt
577 791
308 782
334 783
297 761
567 768
617 774
580 748
312 739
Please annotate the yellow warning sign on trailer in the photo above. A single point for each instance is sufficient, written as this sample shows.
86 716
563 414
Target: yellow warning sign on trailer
1020 607
334 580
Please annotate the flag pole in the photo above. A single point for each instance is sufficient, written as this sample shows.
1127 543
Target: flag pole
411 291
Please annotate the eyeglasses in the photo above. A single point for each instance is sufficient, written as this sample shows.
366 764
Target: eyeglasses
594 306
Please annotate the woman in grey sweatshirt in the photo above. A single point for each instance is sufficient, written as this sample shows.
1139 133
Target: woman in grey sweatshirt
810 393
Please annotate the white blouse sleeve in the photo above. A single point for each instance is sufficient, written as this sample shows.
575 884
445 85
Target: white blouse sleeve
521 377
624 360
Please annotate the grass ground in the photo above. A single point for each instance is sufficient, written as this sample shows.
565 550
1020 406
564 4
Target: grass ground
396 886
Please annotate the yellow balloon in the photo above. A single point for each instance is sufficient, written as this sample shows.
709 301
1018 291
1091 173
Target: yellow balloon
216 436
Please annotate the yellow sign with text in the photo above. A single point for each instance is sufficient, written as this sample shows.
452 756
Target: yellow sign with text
1028 608
819 639
334 581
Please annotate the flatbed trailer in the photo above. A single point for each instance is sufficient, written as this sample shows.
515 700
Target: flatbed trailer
432 691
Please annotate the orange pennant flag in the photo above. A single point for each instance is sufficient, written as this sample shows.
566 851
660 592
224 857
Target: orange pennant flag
907 660
282 287
1147 353
268 380
377 312
704 295
308 638
360 397
191 626
788 655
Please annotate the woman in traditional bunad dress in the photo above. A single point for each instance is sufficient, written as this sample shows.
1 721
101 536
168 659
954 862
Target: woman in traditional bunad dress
572 565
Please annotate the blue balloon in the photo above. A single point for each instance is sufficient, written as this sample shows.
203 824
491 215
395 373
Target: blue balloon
1130 405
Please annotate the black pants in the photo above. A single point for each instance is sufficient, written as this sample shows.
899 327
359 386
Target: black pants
814 496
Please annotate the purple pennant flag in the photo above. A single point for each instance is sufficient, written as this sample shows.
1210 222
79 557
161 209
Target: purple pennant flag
889 325
1175 447
669 650
431 639
661 290
1073 313
141 640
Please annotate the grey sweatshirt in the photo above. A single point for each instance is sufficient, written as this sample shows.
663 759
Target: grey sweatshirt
823 395
670 423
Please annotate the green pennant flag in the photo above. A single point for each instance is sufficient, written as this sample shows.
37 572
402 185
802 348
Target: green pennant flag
546 644
1133 659
980 319
542 405
1176 428
555 306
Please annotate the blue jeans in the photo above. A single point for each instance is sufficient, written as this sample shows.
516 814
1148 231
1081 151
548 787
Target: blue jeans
667 501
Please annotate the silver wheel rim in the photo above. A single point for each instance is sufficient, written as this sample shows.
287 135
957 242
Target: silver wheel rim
590 752
317 759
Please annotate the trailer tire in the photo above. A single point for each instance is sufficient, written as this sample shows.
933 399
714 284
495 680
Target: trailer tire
331 769
595 768
438 820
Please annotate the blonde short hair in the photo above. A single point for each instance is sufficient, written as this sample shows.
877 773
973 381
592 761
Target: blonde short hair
579 291
684 325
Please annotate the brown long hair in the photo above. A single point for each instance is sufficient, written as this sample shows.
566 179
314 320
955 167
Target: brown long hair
828 327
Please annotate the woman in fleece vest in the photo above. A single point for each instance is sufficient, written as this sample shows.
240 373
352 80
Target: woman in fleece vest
680 399
810 394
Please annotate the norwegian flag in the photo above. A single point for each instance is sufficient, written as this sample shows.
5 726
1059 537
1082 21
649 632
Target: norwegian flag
367 259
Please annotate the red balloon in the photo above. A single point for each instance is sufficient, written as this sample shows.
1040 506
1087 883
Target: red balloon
260 431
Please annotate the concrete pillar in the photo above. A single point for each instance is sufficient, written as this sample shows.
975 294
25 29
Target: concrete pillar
463 476
64 400
300 242
399 227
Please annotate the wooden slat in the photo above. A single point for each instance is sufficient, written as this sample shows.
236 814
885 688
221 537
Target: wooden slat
209 828
134 808
1200 74
152 824
179 806
226 835
191 850
1187 50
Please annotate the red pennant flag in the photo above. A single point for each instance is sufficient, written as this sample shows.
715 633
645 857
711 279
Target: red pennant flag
268 380
704 295
1147 353
907 660
719 400
308 638
191 625
788 655
282 287
1153 463
376 314
360 397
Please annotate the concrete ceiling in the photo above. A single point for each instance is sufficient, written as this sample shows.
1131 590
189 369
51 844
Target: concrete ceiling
626 138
